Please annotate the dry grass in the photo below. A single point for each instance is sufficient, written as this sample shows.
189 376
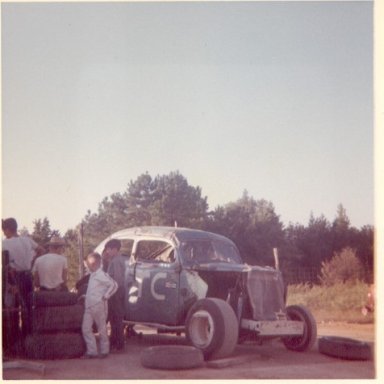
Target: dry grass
339 302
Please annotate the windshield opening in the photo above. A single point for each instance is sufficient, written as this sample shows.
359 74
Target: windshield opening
209 251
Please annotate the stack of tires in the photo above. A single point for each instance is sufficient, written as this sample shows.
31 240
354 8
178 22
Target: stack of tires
56 326
10 310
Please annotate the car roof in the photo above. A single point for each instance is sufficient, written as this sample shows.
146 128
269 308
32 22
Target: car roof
163 232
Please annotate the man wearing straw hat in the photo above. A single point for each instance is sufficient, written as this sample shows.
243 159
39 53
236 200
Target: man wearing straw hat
50 270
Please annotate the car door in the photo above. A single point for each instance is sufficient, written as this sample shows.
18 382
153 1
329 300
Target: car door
154 293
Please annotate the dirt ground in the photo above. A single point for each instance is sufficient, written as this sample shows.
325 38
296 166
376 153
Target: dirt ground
250 361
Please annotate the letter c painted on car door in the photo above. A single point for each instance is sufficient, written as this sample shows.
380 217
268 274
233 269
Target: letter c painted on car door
158 276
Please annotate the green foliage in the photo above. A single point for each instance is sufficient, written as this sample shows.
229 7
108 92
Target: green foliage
163 200
311 244
341 230
176 202
42 232
341 221
363 241
74 256
253 225
343 267
338 302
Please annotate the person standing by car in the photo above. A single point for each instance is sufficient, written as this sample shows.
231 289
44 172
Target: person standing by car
21 250
50 270
105 260
116 269
100 288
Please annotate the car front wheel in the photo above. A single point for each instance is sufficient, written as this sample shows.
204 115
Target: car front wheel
212 327
306 341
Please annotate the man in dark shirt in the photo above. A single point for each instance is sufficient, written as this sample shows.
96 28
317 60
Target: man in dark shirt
116 269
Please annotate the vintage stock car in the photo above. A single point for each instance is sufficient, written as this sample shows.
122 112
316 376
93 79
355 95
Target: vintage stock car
184 280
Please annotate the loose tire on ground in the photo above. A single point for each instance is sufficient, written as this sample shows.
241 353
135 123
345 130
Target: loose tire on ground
306 341
48 346
61 318
53 299
172 357
344 348
212 327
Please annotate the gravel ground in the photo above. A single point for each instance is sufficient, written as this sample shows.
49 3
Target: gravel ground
250 361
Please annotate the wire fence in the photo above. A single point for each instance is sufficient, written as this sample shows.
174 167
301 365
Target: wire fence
300 275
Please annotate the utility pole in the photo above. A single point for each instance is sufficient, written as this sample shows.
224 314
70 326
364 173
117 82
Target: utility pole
81 250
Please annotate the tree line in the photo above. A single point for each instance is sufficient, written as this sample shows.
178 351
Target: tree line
252 224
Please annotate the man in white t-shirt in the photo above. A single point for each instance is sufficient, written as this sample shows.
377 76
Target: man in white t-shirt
21 252
22 249
50 270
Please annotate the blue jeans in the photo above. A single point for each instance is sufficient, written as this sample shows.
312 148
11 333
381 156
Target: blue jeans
24 285
116 316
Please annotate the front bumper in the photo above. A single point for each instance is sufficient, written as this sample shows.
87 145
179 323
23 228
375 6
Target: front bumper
273 327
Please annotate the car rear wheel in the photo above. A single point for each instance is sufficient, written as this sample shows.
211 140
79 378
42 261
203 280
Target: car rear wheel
306 341
212 327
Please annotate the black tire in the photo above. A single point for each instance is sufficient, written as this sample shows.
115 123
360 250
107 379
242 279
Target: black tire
212 327
53 299
10 330
307 340
345 348
63 318
54 346
172 357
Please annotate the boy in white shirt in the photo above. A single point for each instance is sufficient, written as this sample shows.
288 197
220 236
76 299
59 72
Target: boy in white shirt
100 288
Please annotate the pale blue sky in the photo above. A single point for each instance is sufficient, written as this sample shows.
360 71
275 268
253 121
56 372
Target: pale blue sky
275 98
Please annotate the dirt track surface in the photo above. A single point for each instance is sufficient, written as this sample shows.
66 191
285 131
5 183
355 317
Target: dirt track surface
250 361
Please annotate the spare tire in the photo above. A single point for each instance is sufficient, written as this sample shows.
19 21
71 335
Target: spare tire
172 357
53 299
54 346
344 348
61 318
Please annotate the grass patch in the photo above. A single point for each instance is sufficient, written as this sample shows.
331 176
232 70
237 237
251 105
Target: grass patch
338 302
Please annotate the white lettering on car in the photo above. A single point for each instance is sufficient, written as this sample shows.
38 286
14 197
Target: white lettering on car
144 275
158 276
